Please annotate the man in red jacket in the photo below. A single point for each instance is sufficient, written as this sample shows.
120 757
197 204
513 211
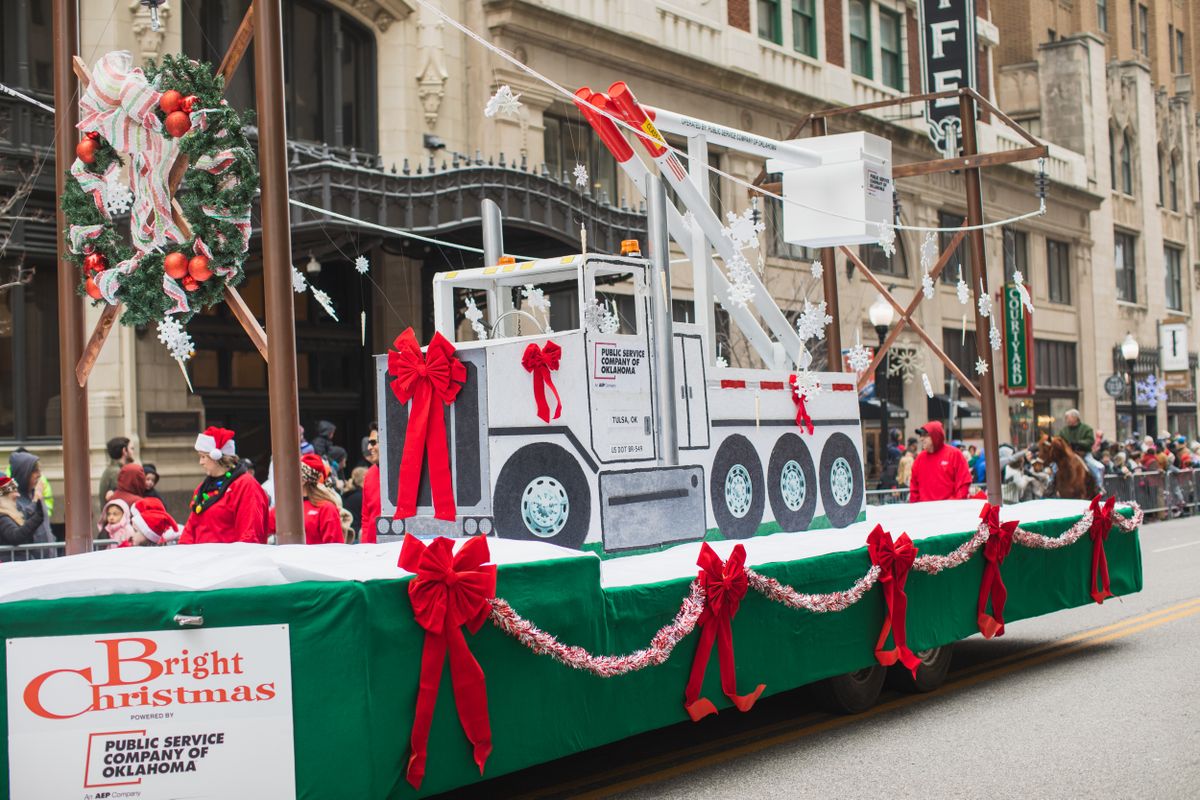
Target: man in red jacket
940 472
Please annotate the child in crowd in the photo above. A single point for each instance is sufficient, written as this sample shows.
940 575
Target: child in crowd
114 523
151 525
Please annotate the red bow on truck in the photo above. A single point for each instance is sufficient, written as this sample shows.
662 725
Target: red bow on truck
541 361
1102 522
995 550
894 560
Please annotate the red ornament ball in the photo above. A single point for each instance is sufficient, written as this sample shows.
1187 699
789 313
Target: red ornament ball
93 291
85 151
170 101
190 284
198 269
175 265
94 262
188 103
178 123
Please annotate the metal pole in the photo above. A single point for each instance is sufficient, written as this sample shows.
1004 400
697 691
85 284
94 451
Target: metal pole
660 312
991 442
833 336
883 401
493 232
1133 398
277 269
77 476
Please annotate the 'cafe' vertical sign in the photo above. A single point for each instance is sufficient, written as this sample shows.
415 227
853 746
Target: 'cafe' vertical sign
947 62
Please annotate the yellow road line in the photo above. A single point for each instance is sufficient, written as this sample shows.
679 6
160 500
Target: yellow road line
1028 658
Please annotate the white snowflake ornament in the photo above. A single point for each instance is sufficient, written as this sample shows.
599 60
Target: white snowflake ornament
806 384
964 291
743 230
927 286
361 265
536 297
1023 291
117 198
887 239
176 339
981 366
325 302
741 287
859 358
928 386
503 103
299 283
598 318
581 176
994 336
474 315
721 362
985 302
929 251
817 268
905 362
812 321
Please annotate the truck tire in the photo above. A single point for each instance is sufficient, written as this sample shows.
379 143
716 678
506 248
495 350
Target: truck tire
853 692
841 481
736 488
792 483
542 495
935 665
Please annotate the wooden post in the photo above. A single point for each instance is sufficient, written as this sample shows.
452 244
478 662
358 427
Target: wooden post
833 337
277 271
987 381
77 475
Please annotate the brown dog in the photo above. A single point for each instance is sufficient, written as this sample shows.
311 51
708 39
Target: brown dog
1073 479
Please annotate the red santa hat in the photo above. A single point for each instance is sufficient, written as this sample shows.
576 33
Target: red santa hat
151 519
216 442
7 485
313 468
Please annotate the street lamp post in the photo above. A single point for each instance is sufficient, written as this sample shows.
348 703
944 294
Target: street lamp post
1129 351
881 314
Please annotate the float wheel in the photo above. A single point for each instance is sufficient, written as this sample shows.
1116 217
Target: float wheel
542 495
841 480
736 488
792 483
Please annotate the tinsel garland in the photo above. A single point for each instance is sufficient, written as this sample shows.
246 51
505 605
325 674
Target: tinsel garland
664 641
212 203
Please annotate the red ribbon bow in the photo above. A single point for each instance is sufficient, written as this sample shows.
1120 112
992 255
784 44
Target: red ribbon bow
725 585
802 417
995 550
449 591
894 560
1102 522
541 361
432 382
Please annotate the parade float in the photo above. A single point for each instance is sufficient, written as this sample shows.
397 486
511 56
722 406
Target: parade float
574 521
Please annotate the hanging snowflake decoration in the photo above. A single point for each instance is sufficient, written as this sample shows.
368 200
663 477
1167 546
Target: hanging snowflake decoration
928 386
887 239
805 359
721 362
299 284
117 197
581 176
806 384
361 265
474 316
598 318
536 297
985 302
689 218
817 269
905 362
964 291
1151 391
927 286
1023 291
325 302
929 251
859 358
994 336
981 366
743 230
176 339
812 321
504 103
741 288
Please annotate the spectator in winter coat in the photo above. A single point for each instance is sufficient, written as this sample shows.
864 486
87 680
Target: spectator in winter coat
131 485
229 505
352 500
904 469
323 441
120 453
939 472
15 527
114 522
47 490
151 481
324 522
26 472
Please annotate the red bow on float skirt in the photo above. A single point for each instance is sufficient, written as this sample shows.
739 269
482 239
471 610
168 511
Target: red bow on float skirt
802 418
449 591
894 560
725 585
541 361
432 382
995 550
1102 522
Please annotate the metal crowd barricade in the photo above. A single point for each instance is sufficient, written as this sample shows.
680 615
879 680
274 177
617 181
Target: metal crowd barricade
1150 491
40 550
1119 486
1180 492
886 497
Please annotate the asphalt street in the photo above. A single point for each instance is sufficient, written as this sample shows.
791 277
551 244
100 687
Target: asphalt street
1098 701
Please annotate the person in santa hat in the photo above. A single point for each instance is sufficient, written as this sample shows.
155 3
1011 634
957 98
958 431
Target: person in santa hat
151 524
229 506
322 512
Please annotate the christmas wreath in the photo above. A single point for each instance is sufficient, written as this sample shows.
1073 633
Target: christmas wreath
184 247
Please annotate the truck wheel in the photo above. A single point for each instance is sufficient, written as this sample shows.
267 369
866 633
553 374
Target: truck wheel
853 692
841 481
935 665
542 495
736 488
792 483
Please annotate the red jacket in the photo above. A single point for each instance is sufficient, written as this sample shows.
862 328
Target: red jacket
239 516
941 474
322 524
371 506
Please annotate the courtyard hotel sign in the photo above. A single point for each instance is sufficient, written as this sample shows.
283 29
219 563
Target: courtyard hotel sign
947 62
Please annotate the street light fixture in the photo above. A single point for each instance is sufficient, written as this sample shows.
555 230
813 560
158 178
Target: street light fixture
1129 351
881 315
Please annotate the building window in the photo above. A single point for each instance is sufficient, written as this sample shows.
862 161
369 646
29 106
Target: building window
804 27
1126 162
26 58
860 39
1112 156
328 59
878 262
1016 254
1180 61
769 26
29 388
959 347
1161 194
1173 261
1058 271
958 263
1173 181
891 60
1125 262
1055 364
567 142
1102 15
1144 28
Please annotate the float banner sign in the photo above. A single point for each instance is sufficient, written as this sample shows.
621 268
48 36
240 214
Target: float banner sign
947 61
1018 345
204 713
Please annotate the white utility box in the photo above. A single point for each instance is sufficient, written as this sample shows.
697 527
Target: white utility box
846 200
